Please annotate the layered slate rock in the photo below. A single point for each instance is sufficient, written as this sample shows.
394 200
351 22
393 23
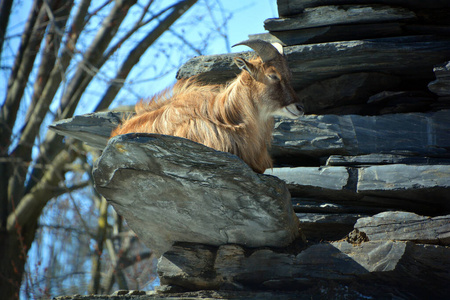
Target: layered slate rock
171 190
406 226
410 57
342 14
330 33
417 188
359 88
383 159
288 8
319 136
317 227
413 134
376 266
94 129
327 42
212 68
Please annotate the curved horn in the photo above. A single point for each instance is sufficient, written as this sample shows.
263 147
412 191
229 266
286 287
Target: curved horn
264 49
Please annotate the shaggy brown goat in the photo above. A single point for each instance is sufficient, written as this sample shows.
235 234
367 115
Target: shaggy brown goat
236 117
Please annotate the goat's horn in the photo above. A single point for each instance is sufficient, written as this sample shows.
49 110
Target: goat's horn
264 49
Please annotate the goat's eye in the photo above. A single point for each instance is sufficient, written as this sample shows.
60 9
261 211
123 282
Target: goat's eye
274 77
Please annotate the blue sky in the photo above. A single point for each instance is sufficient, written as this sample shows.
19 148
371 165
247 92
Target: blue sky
249 20
247 17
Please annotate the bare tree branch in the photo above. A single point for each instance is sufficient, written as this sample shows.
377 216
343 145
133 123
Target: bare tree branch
96 11
45 95
52 43
134 56
137 25
5 10
32 203
9 111
115 273
82 77
21 71
123 261
58 19
93 55
94 287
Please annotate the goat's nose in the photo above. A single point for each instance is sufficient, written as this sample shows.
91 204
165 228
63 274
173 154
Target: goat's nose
300 107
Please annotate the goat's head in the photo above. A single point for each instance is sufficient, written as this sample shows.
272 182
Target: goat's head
277 95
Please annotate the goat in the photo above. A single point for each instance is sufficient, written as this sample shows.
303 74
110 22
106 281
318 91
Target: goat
235 118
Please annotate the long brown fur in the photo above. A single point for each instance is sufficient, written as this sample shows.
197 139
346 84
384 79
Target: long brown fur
224 117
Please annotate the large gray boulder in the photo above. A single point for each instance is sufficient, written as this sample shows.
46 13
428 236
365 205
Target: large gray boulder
171 190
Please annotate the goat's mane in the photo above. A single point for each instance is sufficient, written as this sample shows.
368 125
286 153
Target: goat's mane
182 87
224 117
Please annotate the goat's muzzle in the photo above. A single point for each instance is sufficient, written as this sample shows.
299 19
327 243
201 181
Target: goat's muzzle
292 111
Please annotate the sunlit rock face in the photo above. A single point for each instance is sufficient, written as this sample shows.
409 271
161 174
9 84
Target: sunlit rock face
171 189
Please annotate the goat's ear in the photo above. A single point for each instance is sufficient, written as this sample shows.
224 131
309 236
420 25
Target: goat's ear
244 65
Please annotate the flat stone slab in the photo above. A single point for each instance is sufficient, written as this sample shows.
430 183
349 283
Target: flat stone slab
342 14
403 177
411 57
331 33
383 159
94 129
406 226
294 7
326 291
424 134
171 189
327 178
419 188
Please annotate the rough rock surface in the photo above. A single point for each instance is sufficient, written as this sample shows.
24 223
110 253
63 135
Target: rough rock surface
171 189
377 266
342 14
94 129
409 57
420 134
325 291
383 159
441 85
406 226
359 87
294 7
420 188
425 134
